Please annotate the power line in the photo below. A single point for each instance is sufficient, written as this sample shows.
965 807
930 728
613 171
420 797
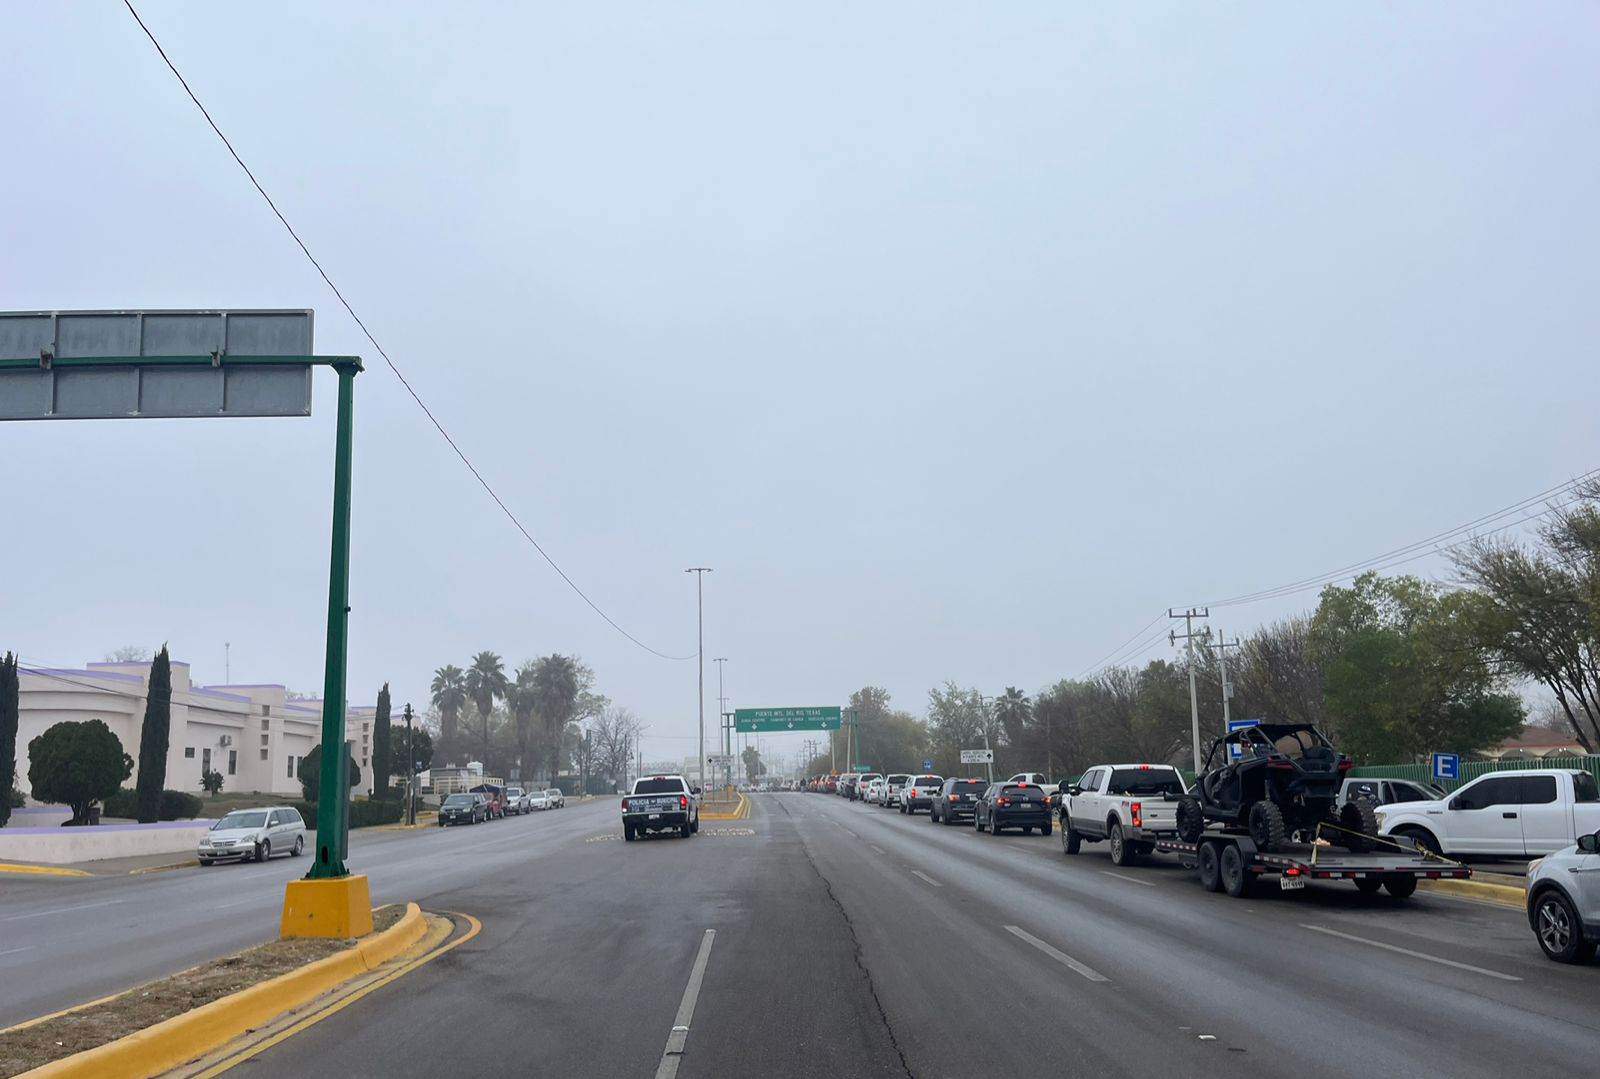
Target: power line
512 517
1411 551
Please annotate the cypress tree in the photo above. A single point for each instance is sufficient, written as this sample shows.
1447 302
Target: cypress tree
153 736
9 693
382 748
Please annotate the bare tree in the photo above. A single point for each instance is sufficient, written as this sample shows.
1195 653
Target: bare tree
129 653
613 733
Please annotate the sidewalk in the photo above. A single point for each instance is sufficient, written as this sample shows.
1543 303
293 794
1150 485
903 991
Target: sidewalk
110 867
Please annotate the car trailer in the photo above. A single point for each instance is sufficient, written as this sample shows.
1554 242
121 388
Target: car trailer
1227 861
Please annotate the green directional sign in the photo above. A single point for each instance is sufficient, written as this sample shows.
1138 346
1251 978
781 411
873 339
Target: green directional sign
777 720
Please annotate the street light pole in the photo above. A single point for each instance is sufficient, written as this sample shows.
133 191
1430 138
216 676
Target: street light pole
726 741
700 655
983 718
411 771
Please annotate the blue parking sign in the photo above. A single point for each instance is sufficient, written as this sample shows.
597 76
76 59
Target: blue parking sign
927 766
1447 766
1234 752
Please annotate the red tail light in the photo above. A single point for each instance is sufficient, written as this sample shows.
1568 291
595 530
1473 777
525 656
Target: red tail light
624 805
1292 871
1002 801
1346 764
955 797
1137 809
683 801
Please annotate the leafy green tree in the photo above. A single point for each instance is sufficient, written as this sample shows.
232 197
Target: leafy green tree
522 700
1538 609
382 746
154 735
753 768
956 721
211 780
309 773
449 697
486 683
418 746
77 764
1405 672
10 693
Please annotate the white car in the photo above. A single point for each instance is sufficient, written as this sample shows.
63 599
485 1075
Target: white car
1564 901
516 801
1514 812
891 788
254 834
539 800
874 793
555 798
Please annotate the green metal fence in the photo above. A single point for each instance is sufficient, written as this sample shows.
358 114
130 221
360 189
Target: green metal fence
1471 770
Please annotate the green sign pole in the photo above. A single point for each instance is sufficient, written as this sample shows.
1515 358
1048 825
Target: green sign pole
331 818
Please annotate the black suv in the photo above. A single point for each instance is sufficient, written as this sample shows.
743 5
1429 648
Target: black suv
1013 805
956 799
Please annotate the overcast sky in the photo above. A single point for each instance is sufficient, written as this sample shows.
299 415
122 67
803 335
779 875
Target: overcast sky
961 340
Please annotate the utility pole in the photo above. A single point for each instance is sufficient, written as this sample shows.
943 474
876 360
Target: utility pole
1223 644
983 718
722 710
700 655
411 771
1188 635
227 663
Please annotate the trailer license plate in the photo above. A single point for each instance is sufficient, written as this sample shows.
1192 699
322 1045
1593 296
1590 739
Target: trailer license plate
1291 884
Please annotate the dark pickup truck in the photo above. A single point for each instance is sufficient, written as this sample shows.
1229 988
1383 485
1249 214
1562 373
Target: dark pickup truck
660 804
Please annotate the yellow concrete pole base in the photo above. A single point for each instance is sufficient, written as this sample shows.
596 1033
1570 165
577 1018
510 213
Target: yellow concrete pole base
339 907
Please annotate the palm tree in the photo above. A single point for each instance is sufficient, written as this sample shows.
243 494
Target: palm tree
449 696
556 689
486 683
1013 709
522 697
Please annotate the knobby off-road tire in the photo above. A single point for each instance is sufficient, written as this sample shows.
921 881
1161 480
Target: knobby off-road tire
1358 823
1266 826
1191 822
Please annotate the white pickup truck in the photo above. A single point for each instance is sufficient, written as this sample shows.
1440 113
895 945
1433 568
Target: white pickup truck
1520 813
1129 806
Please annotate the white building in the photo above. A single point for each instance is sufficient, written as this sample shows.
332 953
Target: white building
252 734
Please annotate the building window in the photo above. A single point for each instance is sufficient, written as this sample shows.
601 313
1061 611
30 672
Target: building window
266 724
266 710
264 739
205 760
233 762
263 754
292 761
188 752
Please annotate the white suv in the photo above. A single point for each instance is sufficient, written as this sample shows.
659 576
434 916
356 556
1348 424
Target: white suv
891 788
1564 901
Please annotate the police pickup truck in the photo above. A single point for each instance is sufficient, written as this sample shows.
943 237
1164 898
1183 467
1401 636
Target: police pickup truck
660 804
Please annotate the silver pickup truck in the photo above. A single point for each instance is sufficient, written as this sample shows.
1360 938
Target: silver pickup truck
1127 805
661 804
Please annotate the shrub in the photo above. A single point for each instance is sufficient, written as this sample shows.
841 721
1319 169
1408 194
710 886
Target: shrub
364 813
211 781
174 805
309 772
77 764
17 801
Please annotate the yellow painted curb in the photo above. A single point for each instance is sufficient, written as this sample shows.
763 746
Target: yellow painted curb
163 868
738 814
193 1034
1503 895
42 870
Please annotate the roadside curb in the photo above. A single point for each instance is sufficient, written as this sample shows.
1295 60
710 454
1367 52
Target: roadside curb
41 870
164 868
195 1033
738 814
1501 895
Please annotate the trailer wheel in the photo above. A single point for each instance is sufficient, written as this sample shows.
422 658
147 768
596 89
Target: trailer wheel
1191 822
1400 885
1266 825
1368 885
1235 876
1209 868
1358 824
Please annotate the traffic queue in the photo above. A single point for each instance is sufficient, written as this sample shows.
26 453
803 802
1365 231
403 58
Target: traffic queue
1231 826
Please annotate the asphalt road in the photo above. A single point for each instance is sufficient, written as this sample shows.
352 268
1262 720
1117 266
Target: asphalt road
852 941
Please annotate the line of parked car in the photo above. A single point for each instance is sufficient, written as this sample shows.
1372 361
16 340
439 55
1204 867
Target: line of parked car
1377 833
487 802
